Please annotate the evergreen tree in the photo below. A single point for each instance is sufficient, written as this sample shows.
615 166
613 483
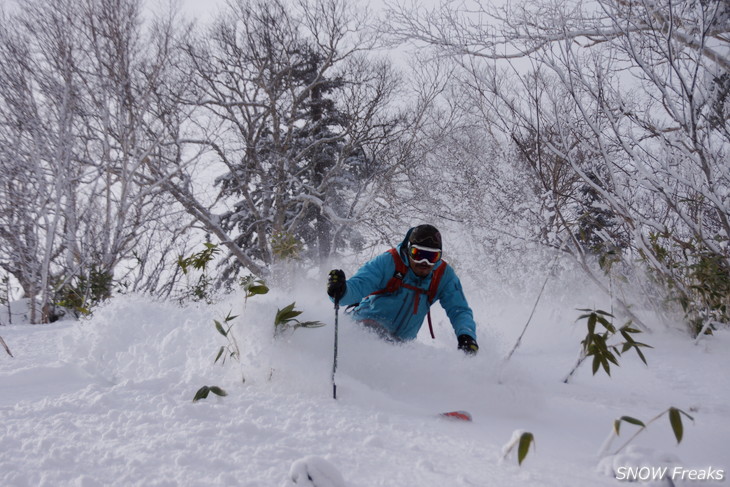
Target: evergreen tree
297 170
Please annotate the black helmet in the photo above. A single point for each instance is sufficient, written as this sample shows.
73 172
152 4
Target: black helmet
426 235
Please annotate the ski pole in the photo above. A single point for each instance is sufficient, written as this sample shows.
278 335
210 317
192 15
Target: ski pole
334 363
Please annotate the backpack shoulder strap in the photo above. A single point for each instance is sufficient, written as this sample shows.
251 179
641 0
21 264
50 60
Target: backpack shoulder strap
433 289
396 281
436 280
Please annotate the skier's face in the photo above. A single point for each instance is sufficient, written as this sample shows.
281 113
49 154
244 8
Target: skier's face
421 269
422 259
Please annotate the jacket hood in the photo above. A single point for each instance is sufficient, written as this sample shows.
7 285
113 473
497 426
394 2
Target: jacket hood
403 246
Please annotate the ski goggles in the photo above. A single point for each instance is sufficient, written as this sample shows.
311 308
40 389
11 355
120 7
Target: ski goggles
424 255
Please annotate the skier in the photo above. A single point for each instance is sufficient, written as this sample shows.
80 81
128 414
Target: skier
393 292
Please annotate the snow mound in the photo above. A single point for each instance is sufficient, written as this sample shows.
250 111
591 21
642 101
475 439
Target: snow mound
313 471
640 462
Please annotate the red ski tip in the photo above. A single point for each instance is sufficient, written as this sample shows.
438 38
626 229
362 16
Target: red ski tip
459 415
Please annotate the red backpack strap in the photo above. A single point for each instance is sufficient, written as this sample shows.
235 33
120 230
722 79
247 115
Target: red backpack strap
433 289
396 281
435 281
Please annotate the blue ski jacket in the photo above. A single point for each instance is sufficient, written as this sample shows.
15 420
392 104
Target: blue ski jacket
395 311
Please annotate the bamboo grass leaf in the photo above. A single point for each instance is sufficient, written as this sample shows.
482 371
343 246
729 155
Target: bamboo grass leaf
675 419
220 354
202 393
524 446
219 327
218 391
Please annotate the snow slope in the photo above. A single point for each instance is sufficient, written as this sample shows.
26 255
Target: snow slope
108 401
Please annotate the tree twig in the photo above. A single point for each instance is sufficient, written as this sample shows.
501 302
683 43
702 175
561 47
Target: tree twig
5 346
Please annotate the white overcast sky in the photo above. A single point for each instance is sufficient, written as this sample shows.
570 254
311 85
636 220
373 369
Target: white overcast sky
200 9
205 9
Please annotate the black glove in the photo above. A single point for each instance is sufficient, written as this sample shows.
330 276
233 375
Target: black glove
336 285
468 345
